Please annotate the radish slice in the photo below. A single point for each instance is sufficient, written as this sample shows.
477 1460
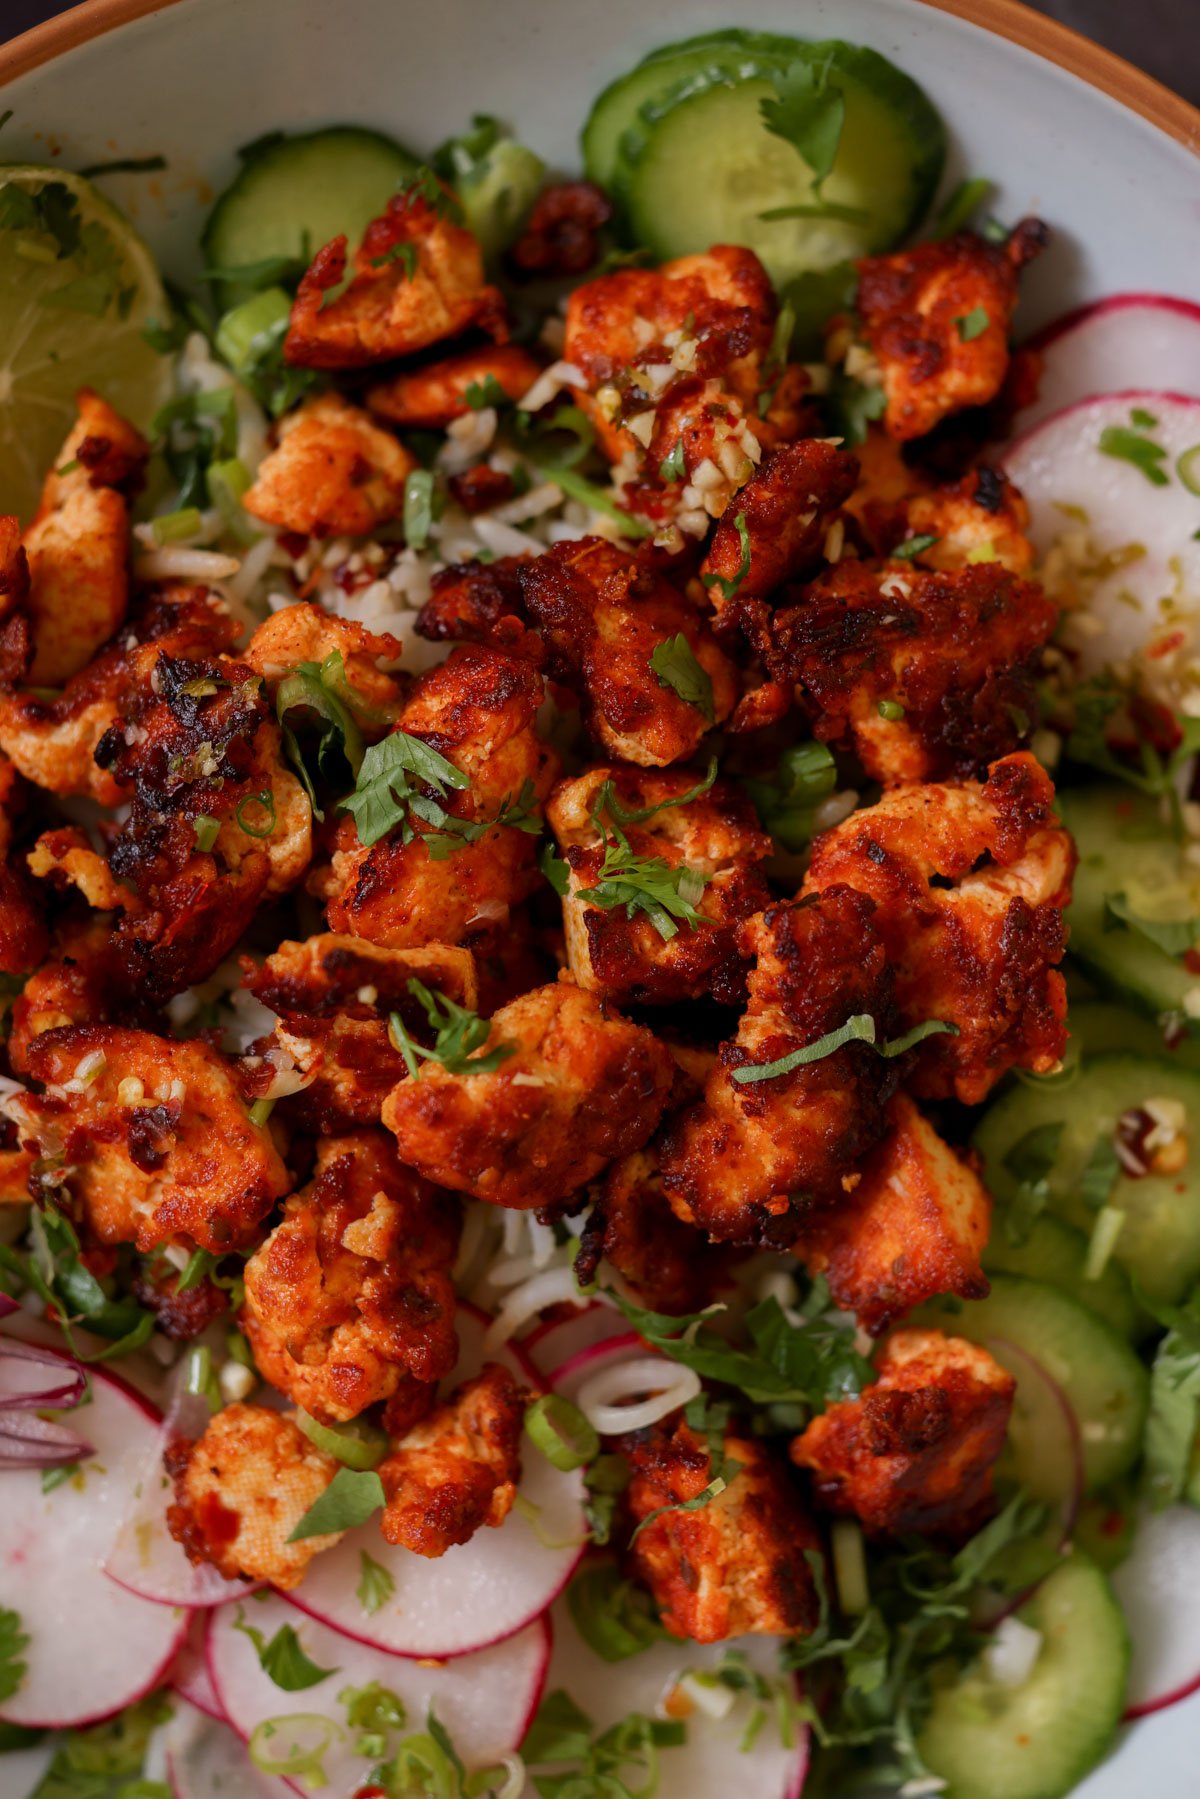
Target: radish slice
479 1592
143 1556
1123 546
710 1764
207 1760
596 1359
1159 1588
486 1701
190 1677
1125 341
92 1648
551 1345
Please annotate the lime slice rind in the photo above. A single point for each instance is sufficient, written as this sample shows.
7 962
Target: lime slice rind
49 351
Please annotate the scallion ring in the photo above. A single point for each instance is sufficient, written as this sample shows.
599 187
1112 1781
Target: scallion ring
561 1432
266 800
355 1447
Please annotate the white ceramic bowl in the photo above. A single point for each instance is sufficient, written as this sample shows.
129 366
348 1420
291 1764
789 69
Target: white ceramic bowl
1108 158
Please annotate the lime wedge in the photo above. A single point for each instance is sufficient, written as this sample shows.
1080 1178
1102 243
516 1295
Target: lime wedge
77 288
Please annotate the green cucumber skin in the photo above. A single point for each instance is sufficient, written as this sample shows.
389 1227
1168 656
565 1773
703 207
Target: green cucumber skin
1099 1372
1043 1737
1103 1029
1125 966
233 235
888 118
1160 1243
1055 1253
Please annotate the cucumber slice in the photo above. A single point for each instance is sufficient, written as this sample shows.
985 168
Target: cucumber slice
1124 847
296 193
1101 1029
1097 1370
1038 1739
1053 1252
676 68
703 167
1159 1242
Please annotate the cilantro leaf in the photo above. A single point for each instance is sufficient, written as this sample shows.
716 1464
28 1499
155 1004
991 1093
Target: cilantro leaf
1175 937
12 1641
647 884
674 466
282 1659
375 1586
807 112
859 1028
56 1273
913 546
321 691
852 405
385 792
487 392
786 801
727 588
674 663
1126 445
460 1033
351 1497
972 324
1102 1169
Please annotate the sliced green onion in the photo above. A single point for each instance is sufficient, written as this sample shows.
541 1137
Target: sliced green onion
1187 467
198 1376
260 1111
266 800
418 508
562 1433
247 330
1105 1231
173 527
578 488
353 1446
228 481
298 1761
207 831
983 552
238 1350
892 710
850 1567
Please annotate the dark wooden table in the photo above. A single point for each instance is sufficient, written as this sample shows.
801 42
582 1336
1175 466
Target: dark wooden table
1161 36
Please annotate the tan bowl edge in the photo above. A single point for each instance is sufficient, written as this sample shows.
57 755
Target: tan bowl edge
1006 18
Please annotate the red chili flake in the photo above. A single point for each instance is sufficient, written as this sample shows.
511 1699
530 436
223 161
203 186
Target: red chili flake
1134 1128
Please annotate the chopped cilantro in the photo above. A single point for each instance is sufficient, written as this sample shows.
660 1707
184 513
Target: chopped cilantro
352 1496
404 253
728 589
1124 444
972 324
282 1659
913 546
375 1586
860 1028
487 392
386 794
459 1033
674 662
807 112
673 467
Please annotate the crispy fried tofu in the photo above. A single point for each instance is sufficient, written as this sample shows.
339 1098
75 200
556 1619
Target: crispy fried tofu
742 1161
959 653
150 1137
478 710
936 319
66 857
735 1566
602 615
915 1224
785 510
351 1296
417 278
307 633
242 1489
578 1087
982 519
334 472
335 996
915 1451
52 741
667 1264
716 835
24 940
970 884
78 545
457 1470
432 397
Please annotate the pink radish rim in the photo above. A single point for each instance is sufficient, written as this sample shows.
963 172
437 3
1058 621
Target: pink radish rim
538 1383
535 1699
584 1357
1122 394
191 1605
1078 315
1074 1435
1148 1707
151 1412
535 1336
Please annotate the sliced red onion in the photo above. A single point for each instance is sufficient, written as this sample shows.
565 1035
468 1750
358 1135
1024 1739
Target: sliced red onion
1070 1428
67 1389
32 1442
7 1306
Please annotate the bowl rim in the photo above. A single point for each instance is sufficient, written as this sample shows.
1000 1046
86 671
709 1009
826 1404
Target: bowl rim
1047 38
